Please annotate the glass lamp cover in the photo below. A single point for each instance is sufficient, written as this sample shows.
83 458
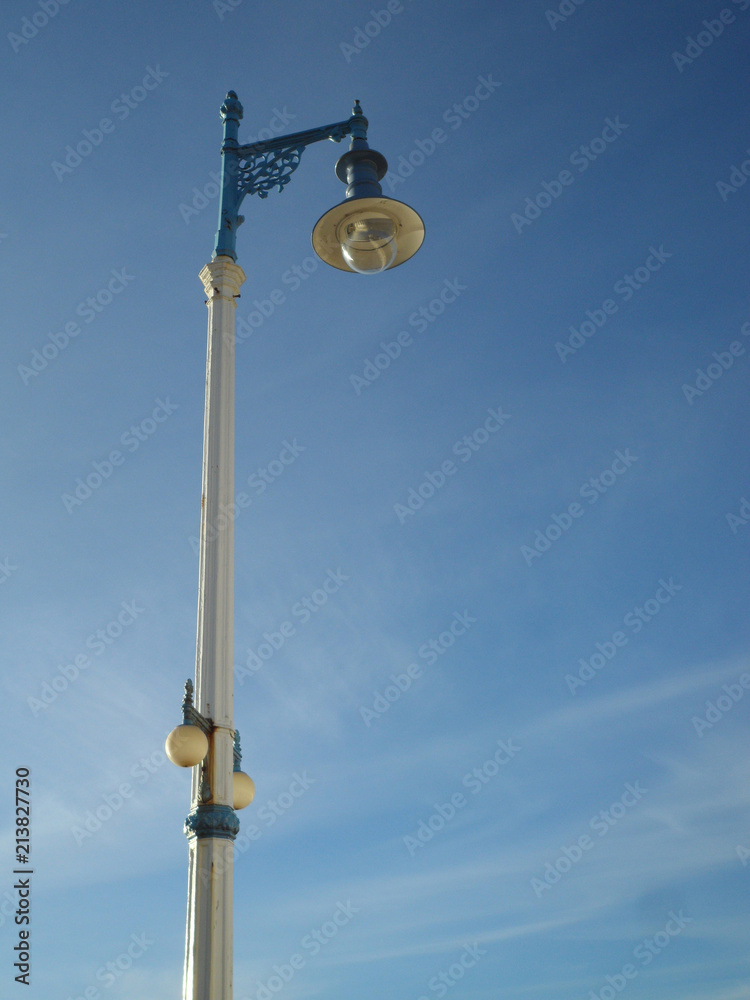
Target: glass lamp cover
243 789
368 242
186 746
367 235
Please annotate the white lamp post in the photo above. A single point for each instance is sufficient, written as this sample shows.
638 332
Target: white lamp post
367 233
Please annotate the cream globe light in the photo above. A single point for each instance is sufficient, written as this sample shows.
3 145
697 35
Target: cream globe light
243 789
243 786
186 745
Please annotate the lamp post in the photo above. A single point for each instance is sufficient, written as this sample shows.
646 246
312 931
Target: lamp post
367 233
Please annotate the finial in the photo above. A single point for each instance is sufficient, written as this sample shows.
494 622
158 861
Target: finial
187 701
231 108
358 127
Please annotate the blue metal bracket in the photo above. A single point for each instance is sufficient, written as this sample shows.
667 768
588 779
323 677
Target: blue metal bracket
263 166
191 715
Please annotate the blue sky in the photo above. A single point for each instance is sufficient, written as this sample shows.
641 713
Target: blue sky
509 747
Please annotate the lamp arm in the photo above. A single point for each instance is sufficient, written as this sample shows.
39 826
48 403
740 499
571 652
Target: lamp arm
260 167
296 140
190 714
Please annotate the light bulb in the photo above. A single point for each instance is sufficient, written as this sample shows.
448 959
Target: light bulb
368 243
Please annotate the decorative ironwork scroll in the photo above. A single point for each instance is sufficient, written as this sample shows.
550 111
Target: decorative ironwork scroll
264 172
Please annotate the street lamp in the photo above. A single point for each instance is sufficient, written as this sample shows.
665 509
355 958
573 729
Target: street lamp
367 233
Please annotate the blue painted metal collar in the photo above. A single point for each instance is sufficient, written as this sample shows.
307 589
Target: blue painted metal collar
212 821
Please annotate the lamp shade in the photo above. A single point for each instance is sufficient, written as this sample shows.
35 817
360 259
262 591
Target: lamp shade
186 746
368 235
